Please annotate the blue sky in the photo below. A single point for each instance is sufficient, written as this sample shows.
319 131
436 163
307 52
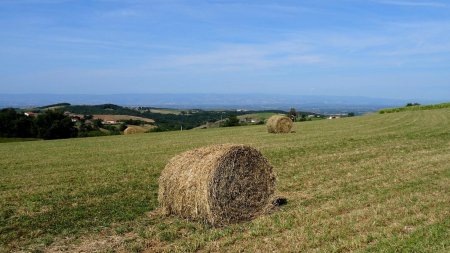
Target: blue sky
377 48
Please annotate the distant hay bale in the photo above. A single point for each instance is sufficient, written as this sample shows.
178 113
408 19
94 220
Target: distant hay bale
218 184
279 124
135 130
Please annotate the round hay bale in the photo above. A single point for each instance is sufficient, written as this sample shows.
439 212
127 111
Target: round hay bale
218 184
134 130
279 124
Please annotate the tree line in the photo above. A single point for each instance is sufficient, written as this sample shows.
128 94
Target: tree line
47 125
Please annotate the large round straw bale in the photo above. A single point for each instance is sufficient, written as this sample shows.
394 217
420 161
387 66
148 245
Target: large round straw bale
218 184
279 124
134 130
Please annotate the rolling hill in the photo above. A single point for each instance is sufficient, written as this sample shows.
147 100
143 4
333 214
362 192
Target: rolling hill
373 183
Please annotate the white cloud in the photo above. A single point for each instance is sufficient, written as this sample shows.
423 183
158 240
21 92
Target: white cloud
237 57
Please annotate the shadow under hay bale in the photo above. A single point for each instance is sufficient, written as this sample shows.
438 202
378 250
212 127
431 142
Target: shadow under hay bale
279 124
218 184
279 201
135 130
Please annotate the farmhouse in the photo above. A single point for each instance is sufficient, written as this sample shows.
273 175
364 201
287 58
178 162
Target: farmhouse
30 114
76 118
248 120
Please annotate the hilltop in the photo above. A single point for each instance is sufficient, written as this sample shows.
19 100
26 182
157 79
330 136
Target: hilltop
372 183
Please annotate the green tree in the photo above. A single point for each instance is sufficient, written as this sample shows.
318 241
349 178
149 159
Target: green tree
292 114
134 122
55 125
84 129
97 123
232 121
13 124
88 116
7 118
303 117
122 127
25 127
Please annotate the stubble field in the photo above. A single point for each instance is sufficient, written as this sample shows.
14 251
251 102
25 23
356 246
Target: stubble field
372 183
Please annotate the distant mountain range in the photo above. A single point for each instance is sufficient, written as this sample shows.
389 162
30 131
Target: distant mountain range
320 104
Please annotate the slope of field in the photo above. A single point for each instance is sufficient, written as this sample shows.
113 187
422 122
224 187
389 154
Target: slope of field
165 111
416 108
4 139
372 183
257 116
111 117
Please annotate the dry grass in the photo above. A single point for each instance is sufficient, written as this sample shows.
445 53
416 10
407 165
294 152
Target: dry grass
166 111
110 117
262 116
217 184
135 130
378 183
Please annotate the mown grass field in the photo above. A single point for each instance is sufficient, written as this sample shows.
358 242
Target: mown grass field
377 183
415 108
261 116
2 139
